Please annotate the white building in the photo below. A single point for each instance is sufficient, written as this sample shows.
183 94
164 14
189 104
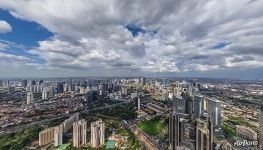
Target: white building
30 98
44 95
80 133
58 135
97 133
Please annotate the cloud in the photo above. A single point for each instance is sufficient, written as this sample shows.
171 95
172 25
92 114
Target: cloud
171 36
5 27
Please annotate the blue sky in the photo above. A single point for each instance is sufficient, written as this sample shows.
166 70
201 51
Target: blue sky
25 35
63 38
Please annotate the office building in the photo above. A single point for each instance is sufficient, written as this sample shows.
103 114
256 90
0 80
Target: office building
97 133
142 81
204 135
188 103
60 88
214 111
177 89
179 104
24 83
30 98
177 131
58 135
33 82
46 136
198 105
80 133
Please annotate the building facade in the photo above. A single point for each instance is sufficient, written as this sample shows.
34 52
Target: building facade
97 133
46 136
80 133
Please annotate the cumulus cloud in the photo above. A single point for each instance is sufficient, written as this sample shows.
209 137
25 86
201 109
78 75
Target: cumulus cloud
178 35
5 27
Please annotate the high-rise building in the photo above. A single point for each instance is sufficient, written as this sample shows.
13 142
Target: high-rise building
204 135
179 104
177 131
79 133
142 81
101 89
177 89
174 131
97 133
24 83
30 98
124 90
58 135
33 82
198 105
10 90
214 111
82 90
260 130
60 88
68 123
190 88
139 103
7 83
41 82
188 103
44 95
46 136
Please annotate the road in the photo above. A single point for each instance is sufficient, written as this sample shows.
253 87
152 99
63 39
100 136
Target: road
141 137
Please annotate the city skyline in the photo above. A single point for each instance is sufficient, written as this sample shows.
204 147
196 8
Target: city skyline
122 38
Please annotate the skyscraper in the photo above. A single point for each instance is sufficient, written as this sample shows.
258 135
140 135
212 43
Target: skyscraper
60 88
198 105
190 88
177 129
204 135
214 111
179 104
24 83
58 135
173 131
33 82
188 103
142 81
97 133
177 89
79 133
139 103
30 97
260 130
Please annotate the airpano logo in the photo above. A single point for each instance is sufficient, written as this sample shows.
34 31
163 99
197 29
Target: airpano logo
246 143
